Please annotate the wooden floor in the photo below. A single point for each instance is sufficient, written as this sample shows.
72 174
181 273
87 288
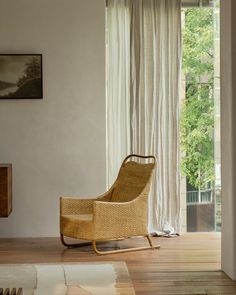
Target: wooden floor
189 264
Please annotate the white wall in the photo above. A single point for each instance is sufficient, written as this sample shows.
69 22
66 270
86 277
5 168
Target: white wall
57 144
228 135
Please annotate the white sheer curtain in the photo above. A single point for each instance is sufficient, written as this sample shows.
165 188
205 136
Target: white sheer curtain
118 85
144 61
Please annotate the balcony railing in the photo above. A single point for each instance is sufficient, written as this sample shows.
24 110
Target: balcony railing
200 197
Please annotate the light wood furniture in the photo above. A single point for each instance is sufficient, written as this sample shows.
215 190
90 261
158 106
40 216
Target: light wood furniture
5 189
119 213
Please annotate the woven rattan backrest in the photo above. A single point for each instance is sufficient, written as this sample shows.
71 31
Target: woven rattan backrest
133 179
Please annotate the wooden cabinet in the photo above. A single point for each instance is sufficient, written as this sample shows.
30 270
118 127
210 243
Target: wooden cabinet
5 189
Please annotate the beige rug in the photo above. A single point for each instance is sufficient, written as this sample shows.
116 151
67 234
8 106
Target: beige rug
101 278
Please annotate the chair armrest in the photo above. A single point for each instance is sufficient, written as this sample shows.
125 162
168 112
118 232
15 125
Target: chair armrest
76 205
114 219
118 211
69 205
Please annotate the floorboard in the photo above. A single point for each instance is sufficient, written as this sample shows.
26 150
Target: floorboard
189 264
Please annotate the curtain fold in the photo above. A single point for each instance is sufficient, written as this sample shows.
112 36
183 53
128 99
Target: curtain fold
145 93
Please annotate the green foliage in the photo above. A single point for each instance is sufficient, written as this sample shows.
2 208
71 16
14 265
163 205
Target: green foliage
197 117
198 36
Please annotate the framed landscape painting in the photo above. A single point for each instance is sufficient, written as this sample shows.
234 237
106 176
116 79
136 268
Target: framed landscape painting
21 76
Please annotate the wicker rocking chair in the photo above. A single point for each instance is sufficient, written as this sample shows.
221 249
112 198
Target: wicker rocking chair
119 213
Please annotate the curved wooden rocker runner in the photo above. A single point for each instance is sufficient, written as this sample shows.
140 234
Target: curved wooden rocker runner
119 213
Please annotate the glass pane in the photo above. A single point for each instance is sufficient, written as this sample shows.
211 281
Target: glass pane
200 117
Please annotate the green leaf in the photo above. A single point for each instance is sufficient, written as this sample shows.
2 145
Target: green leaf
197 113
